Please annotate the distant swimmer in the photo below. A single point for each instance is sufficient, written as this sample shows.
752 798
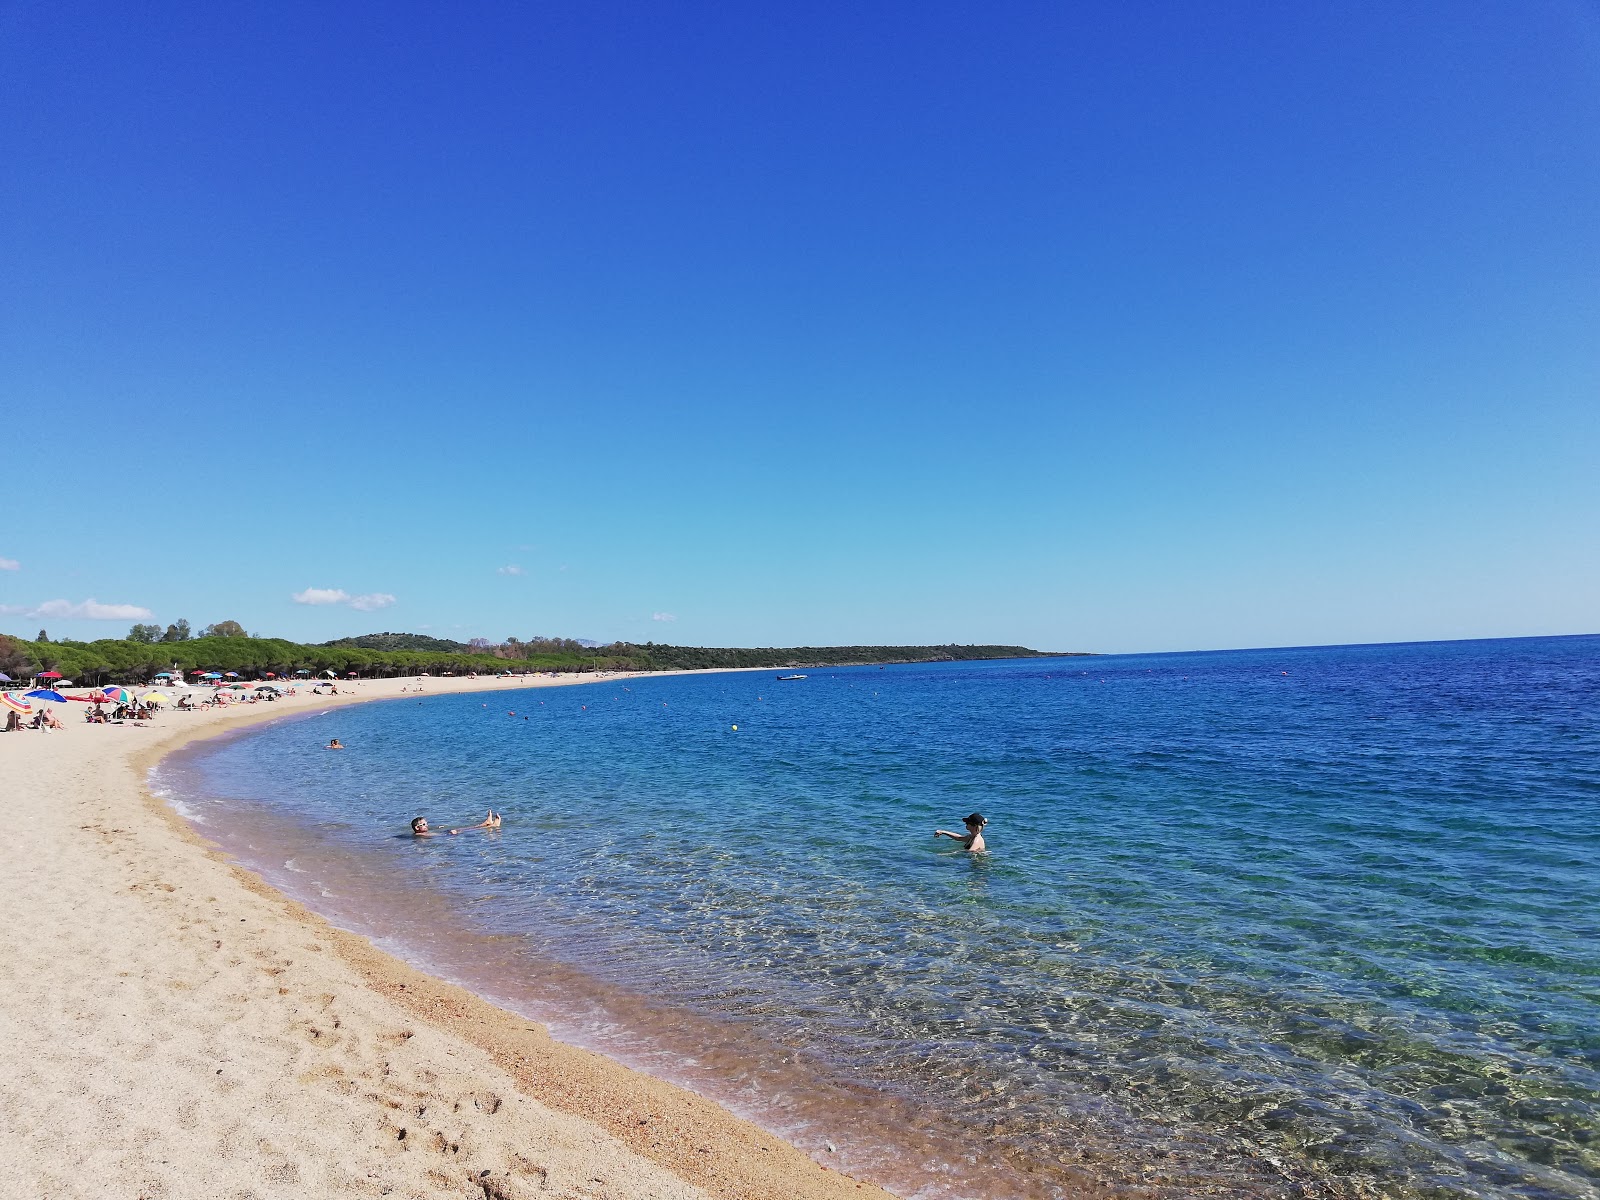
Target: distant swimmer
419 826
336 744
973 838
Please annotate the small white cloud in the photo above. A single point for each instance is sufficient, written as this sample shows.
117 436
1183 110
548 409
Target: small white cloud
510 569
10 564
367 603
663 617
89 610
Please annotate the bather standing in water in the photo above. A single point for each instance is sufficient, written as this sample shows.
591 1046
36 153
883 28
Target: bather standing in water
973 838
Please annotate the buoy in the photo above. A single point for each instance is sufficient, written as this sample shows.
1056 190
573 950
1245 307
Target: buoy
736 729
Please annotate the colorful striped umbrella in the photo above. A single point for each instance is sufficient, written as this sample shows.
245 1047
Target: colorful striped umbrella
118 695
16 703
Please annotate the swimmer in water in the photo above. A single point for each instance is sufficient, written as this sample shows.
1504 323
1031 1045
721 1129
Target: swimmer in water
973 838
419 826
336 744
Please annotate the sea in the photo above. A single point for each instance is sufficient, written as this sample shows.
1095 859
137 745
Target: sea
1269 923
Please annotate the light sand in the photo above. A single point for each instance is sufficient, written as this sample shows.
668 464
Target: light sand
172 1027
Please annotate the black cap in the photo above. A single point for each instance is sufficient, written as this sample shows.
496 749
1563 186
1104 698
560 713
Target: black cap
976 819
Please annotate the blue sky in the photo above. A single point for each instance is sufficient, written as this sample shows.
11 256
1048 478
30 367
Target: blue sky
1093 326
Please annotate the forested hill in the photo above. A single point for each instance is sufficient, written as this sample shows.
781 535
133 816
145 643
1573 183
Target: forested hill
402 641
651 656
688 658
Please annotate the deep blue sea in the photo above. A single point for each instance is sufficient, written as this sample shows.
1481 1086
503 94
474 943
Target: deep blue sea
1304 922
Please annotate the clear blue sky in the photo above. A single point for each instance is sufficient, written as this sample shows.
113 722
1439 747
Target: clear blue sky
1103 326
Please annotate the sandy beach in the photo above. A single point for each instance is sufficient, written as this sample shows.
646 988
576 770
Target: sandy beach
175 1028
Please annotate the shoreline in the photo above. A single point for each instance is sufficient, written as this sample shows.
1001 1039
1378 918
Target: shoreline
645 1137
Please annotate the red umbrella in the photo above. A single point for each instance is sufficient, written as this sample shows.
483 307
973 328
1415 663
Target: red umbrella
49 674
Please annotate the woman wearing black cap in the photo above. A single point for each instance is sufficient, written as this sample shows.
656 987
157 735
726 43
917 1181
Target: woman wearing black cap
973 838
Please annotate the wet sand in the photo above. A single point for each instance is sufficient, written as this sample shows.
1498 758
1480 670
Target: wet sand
176 1028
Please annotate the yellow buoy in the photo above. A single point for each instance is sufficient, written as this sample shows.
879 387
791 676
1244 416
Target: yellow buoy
736 729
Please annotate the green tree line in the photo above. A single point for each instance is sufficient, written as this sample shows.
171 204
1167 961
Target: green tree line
136 660
128 661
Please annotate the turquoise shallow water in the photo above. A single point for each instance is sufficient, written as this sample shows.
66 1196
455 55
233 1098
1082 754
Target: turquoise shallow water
1283 922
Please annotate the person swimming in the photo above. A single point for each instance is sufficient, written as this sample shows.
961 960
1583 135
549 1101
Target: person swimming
336 744
419 826
973 838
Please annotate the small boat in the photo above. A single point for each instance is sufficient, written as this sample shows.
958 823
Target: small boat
791 676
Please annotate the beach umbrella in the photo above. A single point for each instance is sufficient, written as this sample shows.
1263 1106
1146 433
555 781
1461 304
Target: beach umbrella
117 694
4 678
350 674
49 675
16 703
211 675
158 697
272 675
329 673
231 674
45 694
240 687
162 675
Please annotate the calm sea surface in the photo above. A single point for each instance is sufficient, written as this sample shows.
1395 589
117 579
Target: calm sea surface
1309 922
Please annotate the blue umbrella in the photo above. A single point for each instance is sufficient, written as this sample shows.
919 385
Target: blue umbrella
45 694
4 678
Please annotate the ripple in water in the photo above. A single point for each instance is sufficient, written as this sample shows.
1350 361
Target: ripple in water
1316 922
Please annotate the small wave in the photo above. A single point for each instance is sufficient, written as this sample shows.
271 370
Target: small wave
187 811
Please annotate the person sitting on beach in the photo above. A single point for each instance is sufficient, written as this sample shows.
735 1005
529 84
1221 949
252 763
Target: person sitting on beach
971 840
336 744
419 826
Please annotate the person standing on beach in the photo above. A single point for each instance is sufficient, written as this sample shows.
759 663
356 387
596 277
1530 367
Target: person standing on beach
419 826
973 838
